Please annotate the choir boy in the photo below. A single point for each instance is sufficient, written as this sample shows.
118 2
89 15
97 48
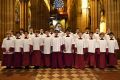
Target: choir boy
7 48
86 34
68 42
26 50
36 54
18 51
96 34
79 49
51 32
41 33
31 33
12 35
76 33
47 49
91 45
102 51
57 61
22 33
112 47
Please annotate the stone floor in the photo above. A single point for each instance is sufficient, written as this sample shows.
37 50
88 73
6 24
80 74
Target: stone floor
60 74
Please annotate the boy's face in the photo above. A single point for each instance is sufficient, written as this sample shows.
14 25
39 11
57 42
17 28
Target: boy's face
47 33
26 34
87 30
56 33
36 33
80 34
18 35
111 36
101 36
91 35
51 30
41 31
108 30
97 30
21 31
67 32
77 30
8 34
31 30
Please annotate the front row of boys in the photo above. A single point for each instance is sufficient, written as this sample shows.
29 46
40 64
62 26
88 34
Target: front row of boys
59 52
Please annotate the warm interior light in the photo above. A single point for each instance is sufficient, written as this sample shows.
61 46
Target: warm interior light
103 27
84 4
47 2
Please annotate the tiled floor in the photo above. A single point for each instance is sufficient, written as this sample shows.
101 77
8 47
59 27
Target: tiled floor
60 74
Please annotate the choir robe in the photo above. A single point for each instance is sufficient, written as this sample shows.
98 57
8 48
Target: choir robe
71 34
47 51
61 34
68 43
102 50
79 56
22 36
96 36
57 61
91 44
112 47
31 35
18 52
76 36
36 54
51 34
13 37
7 46
86 35
42 35
107 37
26 51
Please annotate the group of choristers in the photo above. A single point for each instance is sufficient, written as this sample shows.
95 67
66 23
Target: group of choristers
57 49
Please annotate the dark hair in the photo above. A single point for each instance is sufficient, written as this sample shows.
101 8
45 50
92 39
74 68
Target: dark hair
91 33
26 31
17 32
111 33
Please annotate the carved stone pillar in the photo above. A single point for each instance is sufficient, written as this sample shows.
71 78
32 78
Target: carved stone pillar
24 14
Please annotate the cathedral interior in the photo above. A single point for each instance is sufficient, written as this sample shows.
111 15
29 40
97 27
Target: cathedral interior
73 14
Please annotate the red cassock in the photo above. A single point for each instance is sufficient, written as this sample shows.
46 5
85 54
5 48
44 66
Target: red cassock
79 56
57 56
18 52
36 54
112 59
57 61
7 52
36 58
17 59
112 47
79 61
47 51
69 45
101 51
102 60
26 52
92 61
26 59
91 44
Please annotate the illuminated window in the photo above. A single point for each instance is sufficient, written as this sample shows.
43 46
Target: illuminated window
58 4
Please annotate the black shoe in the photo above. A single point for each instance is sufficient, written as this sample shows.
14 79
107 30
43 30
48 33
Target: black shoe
36 67
27 67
